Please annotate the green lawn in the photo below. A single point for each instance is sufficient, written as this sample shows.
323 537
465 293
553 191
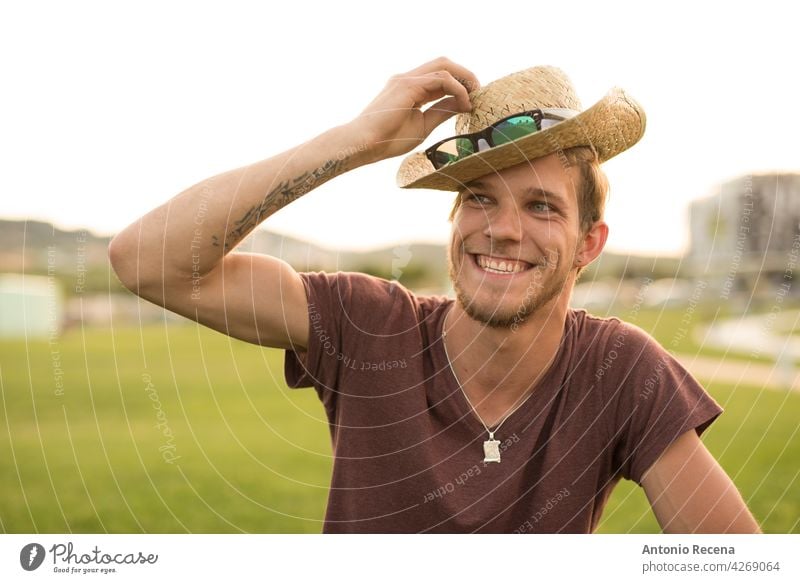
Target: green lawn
682 330
757 441
254 455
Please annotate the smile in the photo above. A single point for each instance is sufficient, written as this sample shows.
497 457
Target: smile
500 265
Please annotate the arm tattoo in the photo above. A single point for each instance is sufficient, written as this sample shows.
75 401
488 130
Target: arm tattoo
284 193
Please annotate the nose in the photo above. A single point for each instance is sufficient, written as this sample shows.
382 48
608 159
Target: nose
504 223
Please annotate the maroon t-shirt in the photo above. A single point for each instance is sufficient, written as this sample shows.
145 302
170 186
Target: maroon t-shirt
409 450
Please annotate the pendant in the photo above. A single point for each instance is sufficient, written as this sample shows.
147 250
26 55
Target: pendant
491 450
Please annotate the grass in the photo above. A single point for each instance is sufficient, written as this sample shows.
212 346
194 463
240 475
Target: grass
681 330
757 442
254 455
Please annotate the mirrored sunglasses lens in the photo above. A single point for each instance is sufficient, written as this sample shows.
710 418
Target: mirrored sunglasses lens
465 147
446 153
452 150
513 129
443 158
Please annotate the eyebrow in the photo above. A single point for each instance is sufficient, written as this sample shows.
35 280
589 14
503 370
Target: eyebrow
541 192
471 185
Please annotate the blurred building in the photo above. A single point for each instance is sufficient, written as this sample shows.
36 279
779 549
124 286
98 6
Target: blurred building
31 306
745 237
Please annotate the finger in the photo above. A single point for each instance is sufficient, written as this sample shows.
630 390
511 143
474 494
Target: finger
463 75
438 84
439 112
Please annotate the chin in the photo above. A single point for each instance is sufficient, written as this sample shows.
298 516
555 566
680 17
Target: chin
492 316
505 314
508 310
505 300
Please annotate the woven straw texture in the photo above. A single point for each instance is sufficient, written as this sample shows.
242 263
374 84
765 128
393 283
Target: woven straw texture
612 125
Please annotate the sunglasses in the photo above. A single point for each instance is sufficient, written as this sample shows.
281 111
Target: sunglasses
500 132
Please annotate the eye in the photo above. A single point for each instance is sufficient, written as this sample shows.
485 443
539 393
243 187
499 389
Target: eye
541 207
477 199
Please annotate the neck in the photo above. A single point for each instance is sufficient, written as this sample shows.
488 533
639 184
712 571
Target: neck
501 363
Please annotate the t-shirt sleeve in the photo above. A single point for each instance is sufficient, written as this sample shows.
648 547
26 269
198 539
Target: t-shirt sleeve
657 400
310 367
348 314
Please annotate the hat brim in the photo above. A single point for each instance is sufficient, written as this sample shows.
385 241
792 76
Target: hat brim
610 126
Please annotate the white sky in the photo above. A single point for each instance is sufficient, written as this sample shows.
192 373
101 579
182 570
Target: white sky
108 109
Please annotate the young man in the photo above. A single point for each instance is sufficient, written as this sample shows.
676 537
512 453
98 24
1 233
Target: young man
501 411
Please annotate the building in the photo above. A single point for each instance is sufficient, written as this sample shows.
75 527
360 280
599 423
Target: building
30 306
745 237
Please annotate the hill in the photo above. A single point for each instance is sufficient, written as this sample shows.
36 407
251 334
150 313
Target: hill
79 258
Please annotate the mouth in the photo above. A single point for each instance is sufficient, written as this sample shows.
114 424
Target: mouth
502 266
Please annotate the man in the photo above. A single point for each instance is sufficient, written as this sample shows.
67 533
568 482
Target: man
502 411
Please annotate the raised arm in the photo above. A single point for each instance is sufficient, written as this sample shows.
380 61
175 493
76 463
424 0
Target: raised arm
178 255
690 493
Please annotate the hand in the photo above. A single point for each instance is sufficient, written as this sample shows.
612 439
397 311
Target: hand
394 123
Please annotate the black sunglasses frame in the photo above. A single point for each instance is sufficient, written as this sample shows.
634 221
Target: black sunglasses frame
536 114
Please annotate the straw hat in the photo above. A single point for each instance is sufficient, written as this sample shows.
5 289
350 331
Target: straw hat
612 125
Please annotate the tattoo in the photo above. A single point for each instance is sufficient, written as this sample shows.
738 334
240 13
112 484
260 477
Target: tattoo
286 192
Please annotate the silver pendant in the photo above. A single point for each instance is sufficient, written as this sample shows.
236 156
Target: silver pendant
491 450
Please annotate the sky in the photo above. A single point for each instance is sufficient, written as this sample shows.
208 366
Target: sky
109 109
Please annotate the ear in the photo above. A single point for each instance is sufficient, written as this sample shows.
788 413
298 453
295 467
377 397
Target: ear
591 244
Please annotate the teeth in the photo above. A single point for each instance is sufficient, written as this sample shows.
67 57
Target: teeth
501 267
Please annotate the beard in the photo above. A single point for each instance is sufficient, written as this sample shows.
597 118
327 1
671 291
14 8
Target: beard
547 281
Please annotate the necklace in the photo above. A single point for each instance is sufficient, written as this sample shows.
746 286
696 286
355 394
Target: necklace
491 447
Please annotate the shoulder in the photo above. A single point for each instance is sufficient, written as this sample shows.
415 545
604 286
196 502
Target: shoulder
617 352
609 332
